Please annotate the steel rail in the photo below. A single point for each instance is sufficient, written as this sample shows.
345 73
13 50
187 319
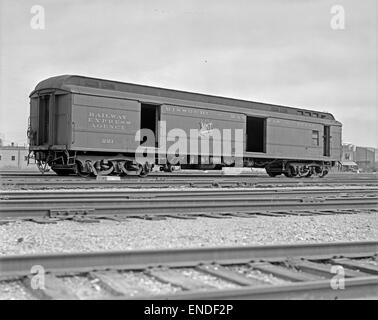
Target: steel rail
360 285
191 173
194 178
213 204
366 287
178 180
176 184
138 259
37 185
57 194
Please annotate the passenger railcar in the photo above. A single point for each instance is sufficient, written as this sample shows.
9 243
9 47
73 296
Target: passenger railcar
88 126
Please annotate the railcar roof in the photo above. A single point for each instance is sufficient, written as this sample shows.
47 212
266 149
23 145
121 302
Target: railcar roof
64 82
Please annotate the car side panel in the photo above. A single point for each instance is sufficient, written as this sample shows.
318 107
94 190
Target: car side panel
104 124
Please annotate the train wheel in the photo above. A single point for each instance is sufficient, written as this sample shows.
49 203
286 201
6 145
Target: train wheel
80 170
103 168
121 169
143 174
105 172
127 169
272 173
144 170
304 172
319 171
290 171
169 168
42 167
309 174
132 169
324 173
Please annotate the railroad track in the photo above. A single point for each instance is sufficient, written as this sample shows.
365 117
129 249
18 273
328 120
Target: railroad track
163 203
190 173
151 193
178 180
300 271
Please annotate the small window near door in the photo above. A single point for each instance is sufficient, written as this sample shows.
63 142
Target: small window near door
315 138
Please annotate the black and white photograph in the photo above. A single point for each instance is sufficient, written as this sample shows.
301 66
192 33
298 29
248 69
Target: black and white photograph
186 155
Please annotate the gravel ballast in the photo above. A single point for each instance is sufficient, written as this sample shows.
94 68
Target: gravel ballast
22 237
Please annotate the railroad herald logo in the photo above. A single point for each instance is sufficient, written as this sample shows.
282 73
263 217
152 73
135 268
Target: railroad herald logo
206 128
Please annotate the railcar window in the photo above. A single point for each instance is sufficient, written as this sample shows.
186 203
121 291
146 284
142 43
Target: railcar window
315 138
13 158
256 134
0 157
300 113
308 114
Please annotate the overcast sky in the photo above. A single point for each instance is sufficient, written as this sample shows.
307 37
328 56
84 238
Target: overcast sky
282 52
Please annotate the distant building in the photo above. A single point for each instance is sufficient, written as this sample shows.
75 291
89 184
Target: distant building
14 157
348 157
354 157
349 151
365 157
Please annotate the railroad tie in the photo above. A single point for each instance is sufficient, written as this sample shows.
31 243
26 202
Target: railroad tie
54 288
225 274
324 269
43 220
119 274
177 278
210 215
180 216
84 219
283 272
114 282
113 218
241 214
291 213
269 214
357 265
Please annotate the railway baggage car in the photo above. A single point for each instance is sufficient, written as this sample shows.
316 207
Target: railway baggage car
81 125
